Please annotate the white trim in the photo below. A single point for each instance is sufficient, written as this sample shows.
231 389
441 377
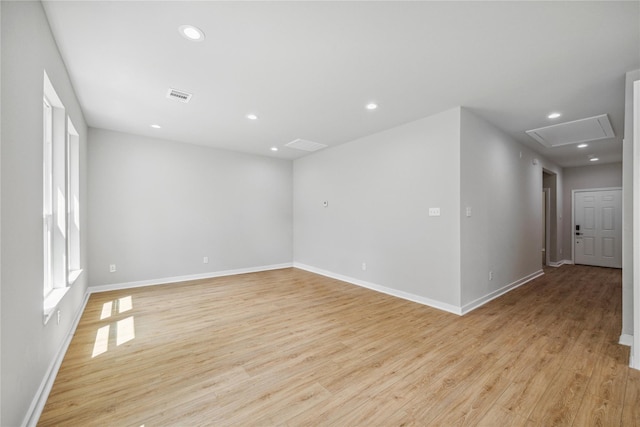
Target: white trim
626 339
547 225
40 399
634 359
495 294
176 279
383 289
51 302
420 299
559 263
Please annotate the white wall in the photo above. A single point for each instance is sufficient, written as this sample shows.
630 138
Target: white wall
585 177
627 207
379 189
29 348
503 188
156 208
0 217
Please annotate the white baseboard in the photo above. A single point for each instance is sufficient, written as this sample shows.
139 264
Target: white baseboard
176 279
40 399
559 263
383 289
495 294
419 299
626 339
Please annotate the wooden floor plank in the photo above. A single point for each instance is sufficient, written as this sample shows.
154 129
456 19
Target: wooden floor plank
631 408
596 411
499 416
288 347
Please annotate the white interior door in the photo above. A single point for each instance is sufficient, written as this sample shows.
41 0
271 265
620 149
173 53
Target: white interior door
598 227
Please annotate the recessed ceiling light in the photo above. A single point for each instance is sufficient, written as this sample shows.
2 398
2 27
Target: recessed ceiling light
371 106
583 145
191 33
554 115
156 126
594 159
252 117
274 148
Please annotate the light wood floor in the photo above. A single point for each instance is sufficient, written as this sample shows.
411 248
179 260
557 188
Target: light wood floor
288 347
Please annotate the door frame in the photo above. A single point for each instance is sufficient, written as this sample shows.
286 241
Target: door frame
635 349
547 225
573 214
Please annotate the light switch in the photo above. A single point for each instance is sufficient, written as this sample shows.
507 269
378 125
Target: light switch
434 211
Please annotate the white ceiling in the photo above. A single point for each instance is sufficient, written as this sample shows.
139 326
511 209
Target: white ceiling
307 69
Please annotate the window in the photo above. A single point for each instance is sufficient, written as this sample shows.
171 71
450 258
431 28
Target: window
73 202
61 200
47 203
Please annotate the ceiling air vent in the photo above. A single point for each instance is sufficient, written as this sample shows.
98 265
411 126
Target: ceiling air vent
305 145
179 95
583 130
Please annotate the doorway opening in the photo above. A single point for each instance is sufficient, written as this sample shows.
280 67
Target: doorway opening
546 229
549 229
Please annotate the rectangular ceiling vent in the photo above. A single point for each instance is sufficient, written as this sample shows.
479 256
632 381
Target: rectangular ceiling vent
575 132
179 95
305 145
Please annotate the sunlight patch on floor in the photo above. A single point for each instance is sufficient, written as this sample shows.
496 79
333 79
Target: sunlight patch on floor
106 310
102 341
125 304
126 330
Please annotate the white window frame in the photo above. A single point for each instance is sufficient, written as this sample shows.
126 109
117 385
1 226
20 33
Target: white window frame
47 199
74 268
61 215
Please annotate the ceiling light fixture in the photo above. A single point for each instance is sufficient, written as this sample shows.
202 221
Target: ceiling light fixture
594 159
192 33
274 148
252 117
156 126
583 145
371 106
554 115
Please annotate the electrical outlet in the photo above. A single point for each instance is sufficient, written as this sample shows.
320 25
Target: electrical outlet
490 275
59 315
205 260
364 266
112 268
434 211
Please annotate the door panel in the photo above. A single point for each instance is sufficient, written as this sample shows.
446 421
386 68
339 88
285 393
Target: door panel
608 247
589 246
598 228
589 222
607 219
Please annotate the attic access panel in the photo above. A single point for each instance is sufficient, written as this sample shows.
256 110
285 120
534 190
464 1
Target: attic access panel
305 145
577 131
